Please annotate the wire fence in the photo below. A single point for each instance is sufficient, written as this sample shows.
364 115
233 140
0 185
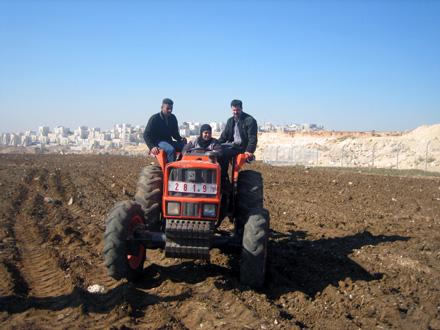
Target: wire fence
421 155
277 155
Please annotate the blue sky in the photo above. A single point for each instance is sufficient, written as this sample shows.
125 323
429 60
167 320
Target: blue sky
345 65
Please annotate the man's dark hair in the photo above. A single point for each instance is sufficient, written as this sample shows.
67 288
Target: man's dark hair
236 103
167 101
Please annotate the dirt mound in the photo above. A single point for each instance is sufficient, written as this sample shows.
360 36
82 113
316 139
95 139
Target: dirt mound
347 251
425 132
418 149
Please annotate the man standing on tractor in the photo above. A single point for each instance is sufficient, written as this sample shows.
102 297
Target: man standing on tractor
239 136
162 127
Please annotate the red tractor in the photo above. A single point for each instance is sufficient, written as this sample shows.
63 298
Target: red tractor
179 207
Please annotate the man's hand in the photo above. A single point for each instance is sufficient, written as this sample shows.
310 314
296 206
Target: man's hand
250 155
184 140
155 151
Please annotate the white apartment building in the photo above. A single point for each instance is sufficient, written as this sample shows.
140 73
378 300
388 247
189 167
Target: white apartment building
217 127
61 131
43 130
82 132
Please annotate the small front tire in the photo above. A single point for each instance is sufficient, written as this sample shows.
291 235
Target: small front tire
118 250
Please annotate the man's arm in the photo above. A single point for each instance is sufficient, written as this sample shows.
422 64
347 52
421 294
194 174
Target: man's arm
252 133
226 132
149 133
175 131
217 146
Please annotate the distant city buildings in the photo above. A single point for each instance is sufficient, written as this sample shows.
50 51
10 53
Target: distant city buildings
121 136
268 127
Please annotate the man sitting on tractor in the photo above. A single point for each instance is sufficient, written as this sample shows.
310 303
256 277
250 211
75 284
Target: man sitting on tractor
205 142
162 127
240 134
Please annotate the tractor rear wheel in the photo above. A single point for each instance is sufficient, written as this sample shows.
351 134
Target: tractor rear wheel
249 194
123 257
254 248
149 195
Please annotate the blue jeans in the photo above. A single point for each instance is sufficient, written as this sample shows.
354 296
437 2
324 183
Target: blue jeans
170 149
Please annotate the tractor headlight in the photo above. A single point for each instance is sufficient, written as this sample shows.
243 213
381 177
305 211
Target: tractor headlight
209 210
173 208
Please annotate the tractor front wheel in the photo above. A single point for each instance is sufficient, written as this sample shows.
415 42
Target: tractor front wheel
254 248
124 258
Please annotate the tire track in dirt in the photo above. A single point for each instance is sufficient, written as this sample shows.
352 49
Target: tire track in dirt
7 287
10 254
39 266
194 295
80 232
7 248
94 184
77 232
41 274
39 269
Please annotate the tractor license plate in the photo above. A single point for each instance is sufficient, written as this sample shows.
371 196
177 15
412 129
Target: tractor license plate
193 188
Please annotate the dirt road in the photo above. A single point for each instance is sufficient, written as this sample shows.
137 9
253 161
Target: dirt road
347 251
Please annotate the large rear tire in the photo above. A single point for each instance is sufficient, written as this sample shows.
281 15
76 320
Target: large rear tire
254 248
118 248
149 195
249 194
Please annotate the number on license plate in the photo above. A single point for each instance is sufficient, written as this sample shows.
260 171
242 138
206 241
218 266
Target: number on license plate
194 188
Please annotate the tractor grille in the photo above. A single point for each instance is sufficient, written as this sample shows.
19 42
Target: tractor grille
193 175
191 209
190 239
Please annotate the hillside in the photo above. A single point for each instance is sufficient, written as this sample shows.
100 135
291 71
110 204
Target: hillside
405 150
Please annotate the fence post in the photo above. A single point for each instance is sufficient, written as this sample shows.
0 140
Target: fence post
397 158
426 157
342 156
372 157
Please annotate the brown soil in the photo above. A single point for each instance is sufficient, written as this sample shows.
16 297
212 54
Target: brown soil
347 251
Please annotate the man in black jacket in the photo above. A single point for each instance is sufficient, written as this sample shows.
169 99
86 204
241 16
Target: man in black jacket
160 131
239 136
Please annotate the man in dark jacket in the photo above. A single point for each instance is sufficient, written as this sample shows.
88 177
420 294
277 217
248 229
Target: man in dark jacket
239 135
160 131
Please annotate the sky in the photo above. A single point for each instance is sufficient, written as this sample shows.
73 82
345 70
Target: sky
345 65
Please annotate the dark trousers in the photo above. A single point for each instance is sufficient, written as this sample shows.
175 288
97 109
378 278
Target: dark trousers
229 151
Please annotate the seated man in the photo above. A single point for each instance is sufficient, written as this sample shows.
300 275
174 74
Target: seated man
241 134
205 142
162 127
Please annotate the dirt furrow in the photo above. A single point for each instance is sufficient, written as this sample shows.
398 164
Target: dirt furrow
39 267
9 279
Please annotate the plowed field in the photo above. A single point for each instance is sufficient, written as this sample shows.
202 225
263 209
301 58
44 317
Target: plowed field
348 250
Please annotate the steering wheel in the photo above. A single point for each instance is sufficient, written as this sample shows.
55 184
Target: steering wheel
200 148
